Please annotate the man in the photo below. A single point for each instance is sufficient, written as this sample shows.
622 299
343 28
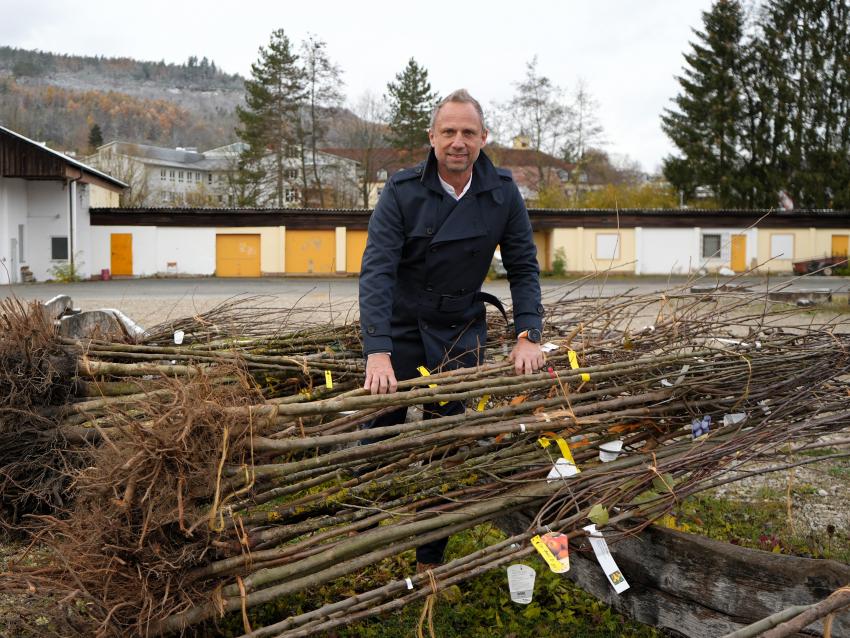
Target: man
431 240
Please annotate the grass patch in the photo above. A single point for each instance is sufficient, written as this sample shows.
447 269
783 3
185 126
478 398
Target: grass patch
479 608
759 525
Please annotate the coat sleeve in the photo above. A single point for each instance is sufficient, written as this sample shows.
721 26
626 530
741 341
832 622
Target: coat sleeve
519 255
378 272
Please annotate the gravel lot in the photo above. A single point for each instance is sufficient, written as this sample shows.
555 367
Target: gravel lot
152 301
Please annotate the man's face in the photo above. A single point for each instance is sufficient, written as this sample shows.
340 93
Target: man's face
457 137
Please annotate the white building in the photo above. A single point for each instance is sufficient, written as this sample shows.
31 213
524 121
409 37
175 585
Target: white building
178 177
44 209
161 176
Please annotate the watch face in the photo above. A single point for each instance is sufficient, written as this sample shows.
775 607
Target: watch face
534 335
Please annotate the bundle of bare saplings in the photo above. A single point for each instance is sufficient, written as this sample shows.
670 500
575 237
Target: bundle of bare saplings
231 472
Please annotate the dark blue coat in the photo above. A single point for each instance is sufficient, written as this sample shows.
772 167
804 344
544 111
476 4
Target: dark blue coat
426 259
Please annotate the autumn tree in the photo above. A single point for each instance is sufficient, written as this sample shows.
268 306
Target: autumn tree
411 102
323 84
366 132
270 120
585 130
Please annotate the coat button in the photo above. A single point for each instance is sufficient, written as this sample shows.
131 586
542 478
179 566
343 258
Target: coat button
429 230
424 325
454 325
540 309
371 330
429 288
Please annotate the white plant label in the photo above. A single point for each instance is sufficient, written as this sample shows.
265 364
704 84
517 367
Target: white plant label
521 583
606 561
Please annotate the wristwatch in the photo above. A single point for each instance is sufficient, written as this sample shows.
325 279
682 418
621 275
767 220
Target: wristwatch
532 334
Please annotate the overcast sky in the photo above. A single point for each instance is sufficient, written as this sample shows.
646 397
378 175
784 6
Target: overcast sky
628 51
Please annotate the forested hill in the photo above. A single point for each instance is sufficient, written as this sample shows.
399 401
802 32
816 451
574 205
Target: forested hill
58 98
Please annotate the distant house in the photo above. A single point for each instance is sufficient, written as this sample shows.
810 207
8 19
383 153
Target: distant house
178 177
161 176
44 209
532 170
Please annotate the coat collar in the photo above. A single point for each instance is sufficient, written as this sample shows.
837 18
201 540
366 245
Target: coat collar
484 175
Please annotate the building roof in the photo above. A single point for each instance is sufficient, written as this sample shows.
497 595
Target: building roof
27 159
541 219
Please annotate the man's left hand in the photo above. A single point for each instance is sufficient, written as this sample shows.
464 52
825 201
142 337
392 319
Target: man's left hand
527 356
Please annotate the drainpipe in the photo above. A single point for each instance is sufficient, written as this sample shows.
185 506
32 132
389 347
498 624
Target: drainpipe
72 220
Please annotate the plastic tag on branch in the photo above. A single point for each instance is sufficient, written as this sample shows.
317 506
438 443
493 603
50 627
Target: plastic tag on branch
178 337
482 403
521 583
606 561
554 549
734 419
549 347
573 356
700 427
679 379
565 466
329 380
425 373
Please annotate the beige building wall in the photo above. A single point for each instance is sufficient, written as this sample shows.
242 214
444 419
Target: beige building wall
100 197
768 238
808 243
591 249
271 245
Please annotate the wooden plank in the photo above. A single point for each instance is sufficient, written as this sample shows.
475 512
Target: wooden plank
693 586
704 588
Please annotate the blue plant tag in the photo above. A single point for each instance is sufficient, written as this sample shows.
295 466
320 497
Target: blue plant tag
701 426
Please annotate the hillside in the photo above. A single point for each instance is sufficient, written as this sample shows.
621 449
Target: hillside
56 98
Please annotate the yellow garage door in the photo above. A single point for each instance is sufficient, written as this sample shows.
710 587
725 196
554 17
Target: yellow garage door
310 252
739 253
839 245
355 244
237 255
541 240
121 250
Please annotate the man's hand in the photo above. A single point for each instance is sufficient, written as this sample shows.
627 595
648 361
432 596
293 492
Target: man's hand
527 356
380 376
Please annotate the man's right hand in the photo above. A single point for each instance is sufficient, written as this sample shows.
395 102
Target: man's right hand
380 376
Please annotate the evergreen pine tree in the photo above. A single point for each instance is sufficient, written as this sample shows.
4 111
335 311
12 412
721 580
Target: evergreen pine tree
269 122
705 124
801 103
95 137
410 104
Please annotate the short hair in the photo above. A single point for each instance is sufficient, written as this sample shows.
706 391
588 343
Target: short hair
462 96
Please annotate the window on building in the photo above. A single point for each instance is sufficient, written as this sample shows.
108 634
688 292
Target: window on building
291 173
290 196
171 175
782 246
180 176
209 178
162 174
711 244
292 151
607 246
59 248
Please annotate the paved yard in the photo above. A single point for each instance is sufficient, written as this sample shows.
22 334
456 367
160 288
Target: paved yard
151 301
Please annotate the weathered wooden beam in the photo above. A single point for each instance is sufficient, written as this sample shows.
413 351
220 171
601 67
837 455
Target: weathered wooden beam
701 588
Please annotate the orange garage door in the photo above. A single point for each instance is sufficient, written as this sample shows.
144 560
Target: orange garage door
237 255
310 252
121 252
355 244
